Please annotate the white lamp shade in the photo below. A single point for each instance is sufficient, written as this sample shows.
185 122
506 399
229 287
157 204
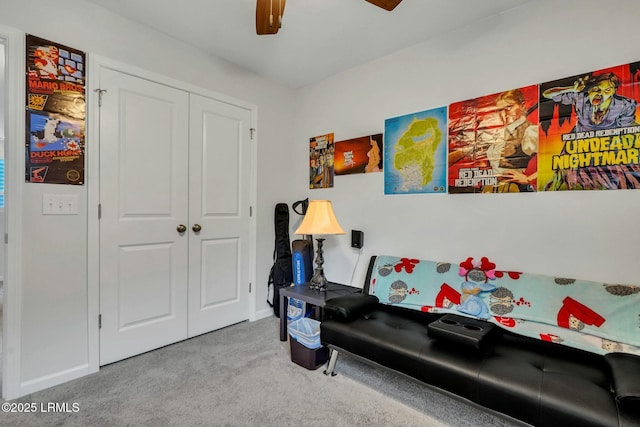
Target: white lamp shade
320 219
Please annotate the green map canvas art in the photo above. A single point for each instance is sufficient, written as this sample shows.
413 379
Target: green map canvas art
415 153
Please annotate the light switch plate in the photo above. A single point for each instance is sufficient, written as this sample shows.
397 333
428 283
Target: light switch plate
59 204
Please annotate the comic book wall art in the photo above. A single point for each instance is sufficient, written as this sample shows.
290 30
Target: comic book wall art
493 143
589 133
415 153
321 157
55 113
358 155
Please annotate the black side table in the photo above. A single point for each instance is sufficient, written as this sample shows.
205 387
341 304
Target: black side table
310 296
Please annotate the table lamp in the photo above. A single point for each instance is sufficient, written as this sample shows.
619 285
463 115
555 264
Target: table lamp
319 220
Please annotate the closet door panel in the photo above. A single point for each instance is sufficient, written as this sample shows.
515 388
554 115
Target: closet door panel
144 198
219 188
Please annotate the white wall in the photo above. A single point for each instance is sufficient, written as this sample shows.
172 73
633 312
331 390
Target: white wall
53 344
590 235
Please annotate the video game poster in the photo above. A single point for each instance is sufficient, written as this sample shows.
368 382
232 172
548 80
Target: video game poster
415 153
589 132
493 143
358 155
55 113
321 158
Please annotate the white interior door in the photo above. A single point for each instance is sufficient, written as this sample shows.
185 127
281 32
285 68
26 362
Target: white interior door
144 199
219 189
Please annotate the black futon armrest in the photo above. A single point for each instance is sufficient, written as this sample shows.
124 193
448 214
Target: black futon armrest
350 305
625 371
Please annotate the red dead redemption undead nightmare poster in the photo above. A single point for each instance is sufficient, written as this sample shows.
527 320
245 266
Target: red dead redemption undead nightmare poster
589 133
55 113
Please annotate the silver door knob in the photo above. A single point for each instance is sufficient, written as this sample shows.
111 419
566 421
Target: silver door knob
196 228
181 228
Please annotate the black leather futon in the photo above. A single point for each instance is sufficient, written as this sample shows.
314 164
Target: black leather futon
537 382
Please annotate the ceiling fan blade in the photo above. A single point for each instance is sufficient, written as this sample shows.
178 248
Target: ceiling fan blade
269 16
386 4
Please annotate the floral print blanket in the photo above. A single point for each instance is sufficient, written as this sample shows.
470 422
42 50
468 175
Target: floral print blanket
592 316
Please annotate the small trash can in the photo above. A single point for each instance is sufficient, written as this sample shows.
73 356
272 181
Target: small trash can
296 309
304 339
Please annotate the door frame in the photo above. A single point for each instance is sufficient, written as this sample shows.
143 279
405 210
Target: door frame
97 62
14 43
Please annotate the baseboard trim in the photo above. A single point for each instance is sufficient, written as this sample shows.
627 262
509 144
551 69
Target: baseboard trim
262 314
54 379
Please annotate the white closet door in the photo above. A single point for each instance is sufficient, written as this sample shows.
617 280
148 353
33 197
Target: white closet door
219 191
144 199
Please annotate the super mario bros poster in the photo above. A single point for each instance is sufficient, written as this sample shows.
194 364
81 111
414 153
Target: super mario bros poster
55 113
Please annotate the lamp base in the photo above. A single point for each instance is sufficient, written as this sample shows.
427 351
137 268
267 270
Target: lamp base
319 281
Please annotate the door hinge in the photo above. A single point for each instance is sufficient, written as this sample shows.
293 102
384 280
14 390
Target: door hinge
100 92
250 210
253 131
99 321
6 238
99 210
249 287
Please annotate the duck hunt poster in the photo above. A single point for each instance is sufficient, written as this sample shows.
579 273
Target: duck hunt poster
55 113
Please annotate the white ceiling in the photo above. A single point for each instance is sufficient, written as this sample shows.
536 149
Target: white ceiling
318 38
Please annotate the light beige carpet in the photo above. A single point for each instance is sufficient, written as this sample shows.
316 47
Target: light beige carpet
242 376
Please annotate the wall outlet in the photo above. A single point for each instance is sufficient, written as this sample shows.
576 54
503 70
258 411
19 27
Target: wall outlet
357 239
